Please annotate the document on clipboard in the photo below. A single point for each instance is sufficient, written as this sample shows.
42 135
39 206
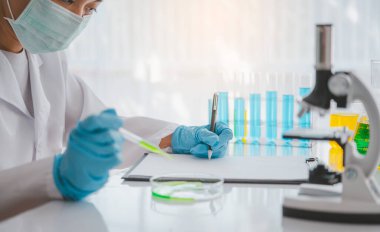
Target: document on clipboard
234 169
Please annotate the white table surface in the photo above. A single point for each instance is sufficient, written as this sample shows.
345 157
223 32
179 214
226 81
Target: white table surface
129 207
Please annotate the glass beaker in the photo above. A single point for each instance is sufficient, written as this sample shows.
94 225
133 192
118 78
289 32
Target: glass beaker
362 135
336 152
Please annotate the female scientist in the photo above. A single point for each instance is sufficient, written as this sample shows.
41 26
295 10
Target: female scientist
44 109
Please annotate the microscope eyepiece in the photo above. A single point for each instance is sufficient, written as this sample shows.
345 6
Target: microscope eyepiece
323 47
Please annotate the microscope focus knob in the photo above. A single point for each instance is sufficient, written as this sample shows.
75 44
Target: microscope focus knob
339 84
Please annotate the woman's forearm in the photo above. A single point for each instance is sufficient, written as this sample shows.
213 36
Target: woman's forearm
26 187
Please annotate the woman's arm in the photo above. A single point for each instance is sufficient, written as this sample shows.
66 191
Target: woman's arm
166 142
26 187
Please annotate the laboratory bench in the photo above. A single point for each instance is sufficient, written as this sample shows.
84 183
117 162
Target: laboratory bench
129 206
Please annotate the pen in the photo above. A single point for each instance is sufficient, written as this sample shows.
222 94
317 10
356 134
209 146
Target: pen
213 120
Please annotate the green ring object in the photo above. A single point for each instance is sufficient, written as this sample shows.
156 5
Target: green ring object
186 188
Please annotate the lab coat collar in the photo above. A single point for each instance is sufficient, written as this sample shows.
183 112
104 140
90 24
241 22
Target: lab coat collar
41 104
37 58
9 87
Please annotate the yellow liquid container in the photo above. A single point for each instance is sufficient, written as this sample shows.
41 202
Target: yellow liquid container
336 152
245 127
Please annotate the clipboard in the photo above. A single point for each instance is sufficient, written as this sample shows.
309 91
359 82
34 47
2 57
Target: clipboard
285 170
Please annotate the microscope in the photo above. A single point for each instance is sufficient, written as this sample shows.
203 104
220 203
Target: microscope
357 198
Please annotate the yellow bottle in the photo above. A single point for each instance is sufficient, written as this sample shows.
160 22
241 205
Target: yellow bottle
336 152
245 127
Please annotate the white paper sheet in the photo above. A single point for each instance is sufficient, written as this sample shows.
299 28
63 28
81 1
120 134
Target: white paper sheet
232 169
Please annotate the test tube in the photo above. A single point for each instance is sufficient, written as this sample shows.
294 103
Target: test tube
271 109
305 120
223 108
222 113
239 116
245 84
255 117
288 105
255 109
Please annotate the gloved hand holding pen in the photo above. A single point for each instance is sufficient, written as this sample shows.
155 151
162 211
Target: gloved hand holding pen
195 140
94 148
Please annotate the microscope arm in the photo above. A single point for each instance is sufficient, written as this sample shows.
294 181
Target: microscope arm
359 91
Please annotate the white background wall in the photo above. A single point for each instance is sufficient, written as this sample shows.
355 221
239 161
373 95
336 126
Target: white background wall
165 58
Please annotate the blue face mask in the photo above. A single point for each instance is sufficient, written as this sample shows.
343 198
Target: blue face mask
45 26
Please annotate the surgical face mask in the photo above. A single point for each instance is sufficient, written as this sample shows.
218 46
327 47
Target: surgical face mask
45 26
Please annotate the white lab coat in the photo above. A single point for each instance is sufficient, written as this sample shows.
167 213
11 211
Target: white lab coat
59 100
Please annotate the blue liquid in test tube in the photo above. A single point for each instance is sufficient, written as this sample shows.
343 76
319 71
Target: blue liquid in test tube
239 118
255 117
305 120
271 120
287 114
222 115
223 108
209 110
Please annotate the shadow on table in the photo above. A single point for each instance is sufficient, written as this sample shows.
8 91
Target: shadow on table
58 216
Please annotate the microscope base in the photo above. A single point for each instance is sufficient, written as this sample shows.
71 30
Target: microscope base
331 209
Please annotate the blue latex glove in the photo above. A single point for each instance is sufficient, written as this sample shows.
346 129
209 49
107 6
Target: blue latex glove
94 148
195 140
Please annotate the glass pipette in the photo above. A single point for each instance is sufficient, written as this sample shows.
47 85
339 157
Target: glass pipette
143 143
